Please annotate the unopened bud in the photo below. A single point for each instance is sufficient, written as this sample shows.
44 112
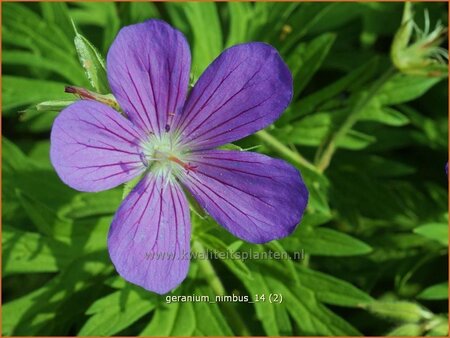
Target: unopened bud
399 311
407 330
85 94
438 326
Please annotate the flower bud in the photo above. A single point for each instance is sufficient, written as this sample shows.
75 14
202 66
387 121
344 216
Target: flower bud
85 94
409 329
418 52
400 311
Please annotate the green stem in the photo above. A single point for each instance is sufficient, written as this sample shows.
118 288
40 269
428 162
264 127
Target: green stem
291 155
216 285
328 148
305 261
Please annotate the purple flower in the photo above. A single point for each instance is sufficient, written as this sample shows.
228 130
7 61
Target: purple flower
169 139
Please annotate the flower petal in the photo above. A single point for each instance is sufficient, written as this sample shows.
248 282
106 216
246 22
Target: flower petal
148 71
94 148
149 238
255 197
245 89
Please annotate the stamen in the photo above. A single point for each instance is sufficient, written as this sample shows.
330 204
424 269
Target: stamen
188 167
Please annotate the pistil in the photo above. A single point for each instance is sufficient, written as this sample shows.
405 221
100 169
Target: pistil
188 167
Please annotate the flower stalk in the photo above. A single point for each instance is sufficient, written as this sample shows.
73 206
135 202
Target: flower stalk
421 57
328 148
289 154
210 275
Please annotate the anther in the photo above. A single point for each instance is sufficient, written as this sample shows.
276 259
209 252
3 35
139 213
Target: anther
189 167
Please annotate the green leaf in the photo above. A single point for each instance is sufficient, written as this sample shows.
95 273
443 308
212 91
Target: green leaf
172 320
240 15
216 245
39 118
337 15
38 311
289 16
311 317
434 231
312 219
435 292
117 311
18 92
318 186
381 167
268 20
403 88
355 140
315 18
312 129
36 61
58 14
209 319
129 186
35 122
104 15
385 115
203 19
230 146
43 217
21 173
20 21
188 318
329 94
433 130
92 204
325 242
138 12
306 59
111 24
331 290
24 29
39 153
28 252
273 317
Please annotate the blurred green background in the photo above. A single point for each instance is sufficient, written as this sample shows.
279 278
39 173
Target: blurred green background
371 144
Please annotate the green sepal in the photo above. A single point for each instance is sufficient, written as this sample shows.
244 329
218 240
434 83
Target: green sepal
92 62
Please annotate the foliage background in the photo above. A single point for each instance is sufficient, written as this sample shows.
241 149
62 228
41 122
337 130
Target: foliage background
375 233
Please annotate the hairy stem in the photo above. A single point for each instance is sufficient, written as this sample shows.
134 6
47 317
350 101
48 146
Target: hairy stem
328 148
289 154
216 285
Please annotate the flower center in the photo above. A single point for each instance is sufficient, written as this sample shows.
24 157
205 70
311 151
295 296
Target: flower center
164 155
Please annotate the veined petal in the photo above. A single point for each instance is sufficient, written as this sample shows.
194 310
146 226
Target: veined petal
148 71
245 89
255 197
149 237
94 148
